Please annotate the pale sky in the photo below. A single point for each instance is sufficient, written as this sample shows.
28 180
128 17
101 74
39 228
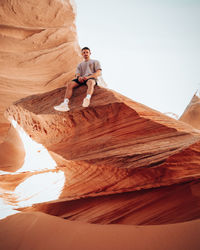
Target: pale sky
149 50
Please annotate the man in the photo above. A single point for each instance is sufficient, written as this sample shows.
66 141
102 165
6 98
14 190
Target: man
86 74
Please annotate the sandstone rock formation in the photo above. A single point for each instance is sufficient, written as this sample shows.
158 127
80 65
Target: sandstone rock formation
12 152
191 115
165 205
34 230
116 161
114 146
39 52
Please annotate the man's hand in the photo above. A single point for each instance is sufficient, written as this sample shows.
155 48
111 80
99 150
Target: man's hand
85 78
81 79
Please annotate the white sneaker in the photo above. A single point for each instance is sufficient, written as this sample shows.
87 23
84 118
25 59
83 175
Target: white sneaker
86 102
62 107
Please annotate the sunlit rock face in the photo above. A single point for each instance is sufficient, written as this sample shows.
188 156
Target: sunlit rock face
39 49
191 115
114 145
12 152
39 52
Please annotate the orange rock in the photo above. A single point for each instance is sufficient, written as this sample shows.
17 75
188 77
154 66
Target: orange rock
191 115
42 231
104 153
11 152
164 205
38 52
114 145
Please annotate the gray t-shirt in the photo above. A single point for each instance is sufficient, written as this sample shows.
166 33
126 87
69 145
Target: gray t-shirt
87 68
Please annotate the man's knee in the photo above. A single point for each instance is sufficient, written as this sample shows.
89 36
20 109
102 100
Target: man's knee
91 82
71 85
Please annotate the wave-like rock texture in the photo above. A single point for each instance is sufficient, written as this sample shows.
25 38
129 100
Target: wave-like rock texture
164 205
38 49
38 52
191 115
114 146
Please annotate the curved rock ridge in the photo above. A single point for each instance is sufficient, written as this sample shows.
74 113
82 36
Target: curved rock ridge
165 205
113 146
39 52
191 115
12 151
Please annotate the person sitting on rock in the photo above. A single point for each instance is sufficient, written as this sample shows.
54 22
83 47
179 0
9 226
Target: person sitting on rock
86 74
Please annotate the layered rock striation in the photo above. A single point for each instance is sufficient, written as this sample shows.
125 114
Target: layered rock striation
191 115
38 52
114 146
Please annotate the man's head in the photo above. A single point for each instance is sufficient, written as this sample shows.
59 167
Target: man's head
86 53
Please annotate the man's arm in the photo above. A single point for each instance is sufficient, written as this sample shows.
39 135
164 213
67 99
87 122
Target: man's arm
78 71
94 75
80 78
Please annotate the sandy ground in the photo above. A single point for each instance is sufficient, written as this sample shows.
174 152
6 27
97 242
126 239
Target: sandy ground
38 231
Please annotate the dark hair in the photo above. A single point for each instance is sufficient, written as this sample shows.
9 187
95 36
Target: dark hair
85 48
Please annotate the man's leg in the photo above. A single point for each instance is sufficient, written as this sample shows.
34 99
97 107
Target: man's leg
69 89
90 83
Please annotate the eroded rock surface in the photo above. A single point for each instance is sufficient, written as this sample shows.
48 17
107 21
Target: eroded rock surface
104 153
113 146
12 152
38 52
191 115
165 205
